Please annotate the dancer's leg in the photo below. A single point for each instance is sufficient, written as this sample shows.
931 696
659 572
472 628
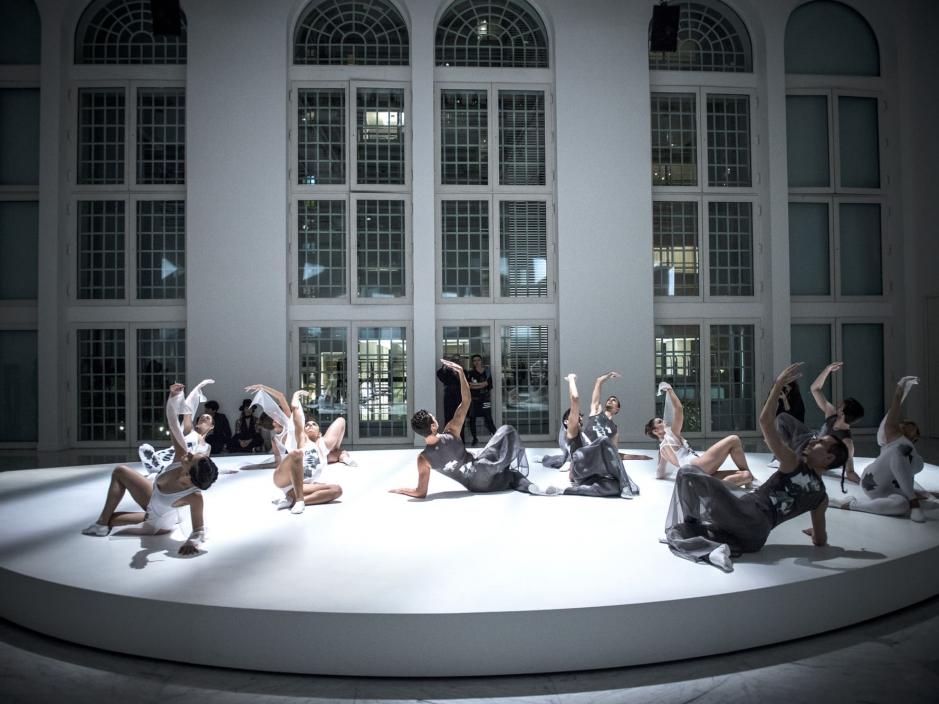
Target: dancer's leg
123 479
333 439
317 493
289 473
711 460
892 505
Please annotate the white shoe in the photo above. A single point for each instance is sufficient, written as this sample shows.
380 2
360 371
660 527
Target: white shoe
97 530
281 504
917 515
548 491
773 463
720 558
297 508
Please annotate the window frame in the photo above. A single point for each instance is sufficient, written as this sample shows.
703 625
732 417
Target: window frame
15 324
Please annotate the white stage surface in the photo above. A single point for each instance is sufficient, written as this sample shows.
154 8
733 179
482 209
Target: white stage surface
457 584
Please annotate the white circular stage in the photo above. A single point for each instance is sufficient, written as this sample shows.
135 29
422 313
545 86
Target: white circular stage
458 584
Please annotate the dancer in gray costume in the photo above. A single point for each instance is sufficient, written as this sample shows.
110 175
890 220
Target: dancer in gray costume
596 468
500 465
707 522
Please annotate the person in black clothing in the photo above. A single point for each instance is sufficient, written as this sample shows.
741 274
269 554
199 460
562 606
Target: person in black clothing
247 437
480 382
451 392
220 435
790 401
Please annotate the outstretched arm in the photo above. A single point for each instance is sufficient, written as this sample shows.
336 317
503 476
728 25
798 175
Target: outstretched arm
573 419
453 427
273 393
595 405
819 533
817 389
423 480
788 460
191 546
890 426
298 417
174 407
192 402
674 413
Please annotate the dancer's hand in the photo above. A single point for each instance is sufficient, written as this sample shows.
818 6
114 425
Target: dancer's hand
834 366
818 541
188 548
177 389
452 365
413 493
611 375
255 387
789 374
570 377
205 382
303 393
663 387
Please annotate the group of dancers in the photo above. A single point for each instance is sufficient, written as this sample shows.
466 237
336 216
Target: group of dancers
715 514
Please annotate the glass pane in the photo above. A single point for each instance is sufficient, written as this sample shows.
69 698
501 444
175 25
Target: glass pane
859 142
709 39
523 247
807 141
675 248
321 136
863 372
730 250
733 378
380 135
464 341
859 230
161 361
161 135
121 32
19 386
101 385
20 33
521 138
161 249
525 375
324 362
830 38
19 250
380 236
728 124
464 248
101 249
674 140
351 32
321 248
811 343
383 382
496 33
809 250
101 135
19 136
678 361
464 137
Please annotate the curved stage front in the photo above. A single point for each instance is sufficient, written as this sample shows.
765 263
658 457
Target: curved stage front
458 584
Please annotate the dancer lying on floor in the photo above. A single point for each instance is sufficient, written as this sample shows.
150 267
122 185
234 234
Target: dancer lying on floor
177 485
595 466
888 481
598 424
298 460
500 465
674 449
707 522
194 435
838 421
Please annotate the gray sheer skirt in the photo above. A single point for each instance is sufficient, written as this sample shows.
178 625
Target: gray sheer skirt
597 470
501 464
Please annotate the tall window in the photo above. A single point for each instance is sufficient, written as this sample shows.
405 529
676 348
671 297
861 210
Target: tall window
839 222
706 224
127 214
350 205
20 53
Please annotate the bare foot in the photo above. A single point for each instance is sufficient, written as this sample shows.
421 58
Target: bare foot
853 477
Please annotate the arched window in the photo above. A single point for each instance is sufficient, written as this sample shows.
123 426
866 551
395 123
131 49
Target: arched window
829 38
121 32
711 37
19 33
353 32
491 33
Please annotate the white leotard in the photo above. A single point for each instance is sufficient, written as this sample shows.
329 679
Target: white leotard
161 514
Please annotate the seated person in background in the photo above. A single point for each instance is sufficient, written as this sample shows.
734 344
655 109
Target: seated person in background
220 435
246 437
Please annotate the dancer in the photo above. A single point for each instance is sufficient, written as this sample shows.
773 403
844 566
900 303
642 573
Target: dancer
595 466
674 449
500 465
177 485
194 436
838 421
298 459
451 392
707 522
888 481
600 421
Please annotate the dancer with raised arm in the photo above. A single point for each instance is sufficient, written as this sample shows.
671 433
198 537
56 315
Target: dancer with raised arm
194 435
298 460
707 522
500 465
674 449
888 481
595 466
177 485
838 421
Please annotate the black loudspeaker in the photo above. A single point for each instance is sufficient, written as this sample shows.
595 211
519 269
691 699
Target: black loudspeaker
663 35
167 19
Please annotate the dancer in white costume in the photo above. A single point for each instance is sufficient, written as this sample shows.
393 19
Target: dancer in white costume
674 449
155 461
180 484
299 461
888 481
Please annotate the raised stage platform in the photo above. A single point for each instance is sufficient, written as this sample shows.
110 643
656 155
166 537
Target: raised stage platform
457 584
